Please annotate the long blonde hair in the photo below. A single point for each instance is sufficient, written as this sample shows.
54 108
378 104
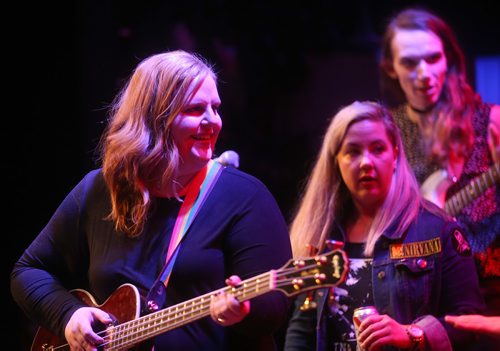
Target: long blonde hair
326 198
137 138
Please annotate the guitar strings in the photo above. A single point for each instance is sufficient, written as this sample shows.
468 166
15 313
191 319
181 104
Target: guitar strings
473 190
129 333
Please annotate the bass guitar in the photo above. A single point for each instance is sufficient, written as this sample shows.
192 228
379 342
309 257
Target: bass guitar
435 186
296 276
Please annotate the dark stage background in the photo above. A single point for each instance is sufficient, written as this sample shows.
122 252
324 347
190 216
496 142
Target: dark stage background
285 68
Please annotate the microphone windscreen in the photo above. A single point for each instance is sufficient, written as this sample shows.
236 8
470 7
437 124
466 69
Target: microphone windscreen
229 158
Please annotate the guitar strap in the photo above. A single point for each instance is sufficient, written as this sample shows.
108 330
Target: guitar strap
197 193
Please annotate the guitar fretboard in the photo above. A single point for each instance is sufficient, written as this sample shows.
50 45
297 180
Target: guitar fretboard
295 277
473 190
133 332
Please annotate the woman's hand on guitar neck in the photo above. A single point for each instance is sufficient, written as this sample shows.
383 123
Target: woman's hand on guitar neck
225 309
79 333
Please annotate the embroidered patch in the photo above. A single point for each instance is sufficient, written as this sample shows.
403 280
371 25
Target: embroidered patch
460 243
416 249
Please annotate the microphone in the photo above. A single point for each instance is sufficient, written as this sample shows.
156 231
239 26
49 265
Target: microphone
229 158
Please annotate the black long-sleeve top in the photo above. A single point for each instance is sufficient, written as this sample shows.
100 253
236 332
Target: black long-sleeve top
239 230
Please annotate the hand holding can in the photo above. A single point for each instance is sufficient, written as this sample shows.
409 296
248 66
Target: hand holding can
359 315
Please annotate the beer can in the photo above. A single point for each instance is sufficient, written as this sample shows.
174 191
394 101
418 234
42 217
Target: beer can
359 315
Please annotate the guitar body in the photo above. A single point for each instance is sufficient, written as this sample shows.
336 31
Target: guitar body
123 305
130 331
435 186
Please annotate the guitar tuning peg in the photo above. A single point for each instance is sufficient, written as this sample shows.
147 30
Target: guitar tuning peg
319 278
297 284
299 263
309 302
321 260
334 244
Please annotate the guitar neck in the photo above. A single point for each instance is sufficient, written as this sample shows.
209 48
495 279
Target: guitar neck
143 328
295 277
473 190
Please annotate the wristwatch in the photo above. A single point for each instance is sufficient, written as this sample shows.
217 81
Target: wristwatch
416 335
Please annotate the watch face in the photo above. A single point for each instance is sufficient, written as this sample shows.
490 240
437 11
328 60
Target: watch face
416 333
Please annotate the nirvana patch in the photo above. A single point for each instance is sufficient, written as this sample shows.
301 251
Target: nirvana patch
415 249
460 243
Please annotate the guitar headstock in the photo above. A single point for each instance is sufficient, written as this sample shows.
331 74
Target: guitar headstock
300 275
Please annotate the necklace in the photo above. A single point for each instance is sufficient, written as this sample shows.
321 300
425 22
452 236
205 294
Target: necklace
420 111
424 119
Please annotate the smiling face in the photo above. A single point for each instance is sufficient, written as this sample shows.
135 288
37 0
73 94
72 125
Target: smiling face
195 130
367 160
419 63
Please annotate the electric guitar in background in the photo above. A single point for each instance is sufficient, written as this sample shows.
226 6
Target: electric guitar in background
435 186
130 330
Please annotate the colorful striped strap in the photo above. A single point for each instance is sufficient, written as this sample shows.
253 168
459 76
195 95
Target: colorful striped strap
197 192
